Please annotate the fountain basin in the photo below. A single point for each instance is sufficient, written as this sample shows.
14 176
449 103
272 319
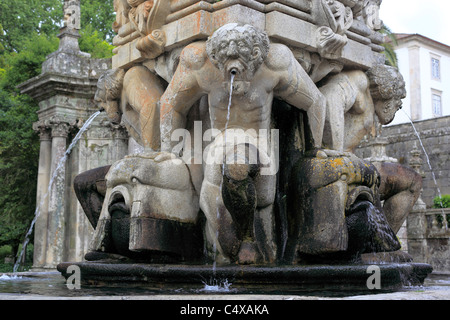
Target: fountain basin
251 278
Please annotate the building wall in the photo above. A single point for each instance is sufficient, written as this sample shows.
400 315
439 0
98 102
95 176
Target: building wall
414 56
435 137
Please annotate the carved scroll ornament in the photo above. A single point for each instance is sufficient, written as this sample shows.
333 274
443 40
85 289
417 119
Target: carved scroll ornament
148 17
335 19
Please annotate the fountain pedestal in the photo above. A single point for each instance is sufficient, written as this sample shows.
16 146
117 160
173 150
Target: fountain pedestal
340 279
230 65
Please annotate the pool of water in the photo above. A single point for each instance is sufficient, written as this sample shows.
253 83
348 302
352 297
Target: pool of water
53 284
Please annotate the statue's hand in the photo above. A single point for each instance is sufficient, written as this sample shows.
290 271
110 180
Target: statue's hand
336 153
164 156
156 156
328 153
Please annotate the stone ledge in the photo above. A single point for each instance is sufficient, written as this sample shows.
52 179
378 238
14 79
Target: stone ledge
260 278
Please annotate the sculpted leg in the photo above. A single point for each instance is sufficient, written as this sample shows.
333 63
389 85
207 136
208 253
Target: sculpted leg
249 194
219 223
400 188
90 189
316 117
334 123
143 90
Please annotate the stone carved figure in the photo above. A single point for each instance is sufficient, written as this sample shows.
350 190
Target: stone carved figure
150 211
368 11
122 9
72 14
400 187
354 99
147 17
139 13
356 102
335 19
335 211
261 71
109 90
132 97
234 207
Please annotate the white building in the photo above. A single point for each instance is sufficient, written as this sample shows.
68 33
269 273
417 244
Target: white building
425 66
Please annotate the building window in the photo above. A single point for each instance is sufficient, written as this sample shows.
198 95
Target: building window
436 68
437 104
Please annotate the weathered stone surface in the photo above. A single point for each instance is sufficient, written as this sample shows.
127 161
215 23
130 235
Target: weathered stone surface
343 278
65 92
196 20
402 140
224 63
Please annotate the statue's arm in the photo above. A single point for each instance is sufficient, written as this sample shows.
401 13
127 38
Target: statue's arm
294 85
296 88
182 92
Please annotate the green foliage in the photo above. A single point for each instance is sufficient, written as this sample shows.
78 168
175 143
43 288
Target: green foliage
389 52
92 42
6 251
20 18
19 152
99 15
441 202
26 64
28 33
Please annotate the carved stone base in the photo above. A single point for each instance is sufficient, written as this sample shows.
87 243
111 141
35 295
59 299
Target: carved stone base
262 279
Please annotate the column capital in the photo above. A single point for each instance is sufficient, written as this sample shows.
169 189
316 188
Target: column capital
43 129
118 131
59 127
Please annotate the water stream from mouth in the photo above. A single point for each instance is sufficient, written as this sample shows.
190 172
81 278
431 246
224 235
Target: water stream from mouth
60 165
430 167
221 184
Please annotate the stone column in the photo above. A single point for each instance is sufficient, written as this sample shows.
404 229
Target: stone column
40 242
416 223
415 83
56 202
416 164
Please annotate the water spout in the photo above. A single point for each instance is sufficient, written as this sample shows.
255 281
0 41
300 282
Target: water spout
223 166
61 163
429 165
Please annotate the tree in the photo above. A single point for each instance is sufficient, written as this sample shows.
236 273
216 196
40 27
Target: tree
28 33
20 18
100 16
92 42
19 149
26 64
389 44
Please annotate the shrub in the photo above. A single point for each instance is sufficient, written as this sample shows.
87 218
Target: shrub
441 202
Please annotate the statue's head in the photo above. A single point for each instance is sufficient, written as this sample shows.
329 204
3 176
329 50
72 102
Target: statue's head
387 88
72 14
109 89
238 49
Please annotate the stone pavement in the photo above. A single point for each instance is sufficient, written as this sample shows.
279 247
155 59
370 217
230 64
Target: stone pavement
414 295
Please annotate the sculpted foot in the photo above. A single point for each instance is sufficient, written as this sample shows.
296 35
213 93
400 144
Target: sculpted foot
248 253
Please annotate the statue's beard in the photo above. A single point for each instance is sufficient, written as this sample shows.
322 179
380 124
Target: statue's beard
241 69
242 73
240 87
387 113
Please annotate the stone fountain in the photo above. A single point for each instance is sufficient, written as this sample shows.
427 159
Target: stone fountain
248 112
